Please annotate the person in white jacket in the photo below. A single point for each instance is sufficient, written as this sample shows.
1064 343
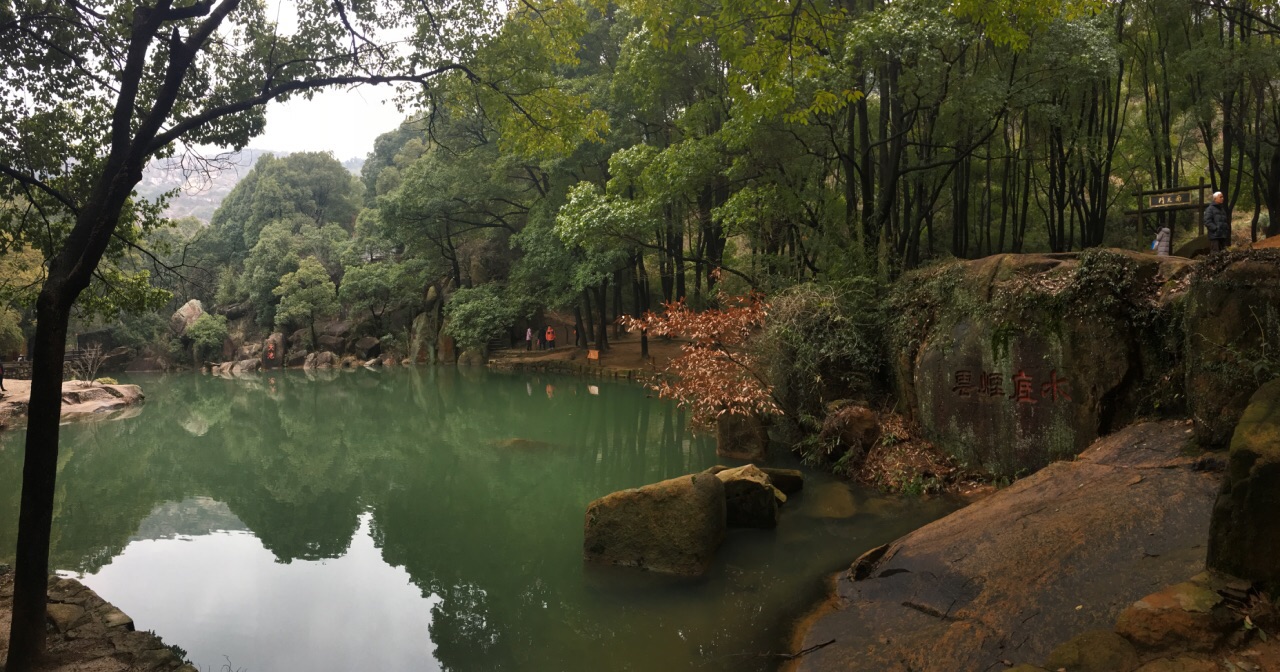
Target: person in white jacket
1164 241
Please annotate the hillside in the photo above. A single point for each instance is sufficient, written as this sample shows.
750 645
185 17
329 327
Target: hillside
206 181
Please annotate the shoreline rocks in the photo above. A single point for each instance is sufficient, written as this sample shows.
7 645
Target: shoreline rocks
1057 554
79 401
85 627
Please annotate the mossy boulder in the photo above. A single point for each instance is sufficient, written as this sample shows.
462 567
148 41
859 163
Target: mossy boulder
1094 651
1232 338
1192 615
1244 535
1014 361
670 527
751 500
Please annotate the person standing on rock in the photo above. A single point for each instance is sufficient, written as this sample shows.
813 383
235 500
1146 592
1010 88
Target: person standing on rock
1164 241
1217 224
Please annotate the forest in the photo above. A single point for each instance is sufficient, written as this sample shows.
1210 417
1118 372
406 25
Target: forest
653 150
591 159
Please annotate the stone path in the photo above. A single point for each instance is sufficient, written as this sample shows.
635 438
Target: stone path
88 634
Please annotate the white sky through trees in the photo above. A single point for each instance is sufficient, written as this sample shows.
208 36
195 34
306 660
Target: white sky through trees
343 121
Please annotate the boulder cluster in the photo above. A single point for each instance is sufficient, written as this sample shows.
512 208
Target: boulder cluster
676 525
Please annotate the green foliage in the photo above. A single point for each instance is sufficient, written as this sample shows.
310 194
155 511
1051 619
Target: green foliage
10 330
378 289
479 314
106 380
207 335
114 290
135 330
306 295
823 342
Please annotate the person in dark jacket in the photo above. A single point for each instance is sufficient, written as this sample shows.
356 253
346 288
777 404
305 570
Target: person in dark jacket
1216 224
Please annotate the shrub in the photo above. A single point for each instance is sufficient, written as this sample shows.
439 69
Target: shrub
822 342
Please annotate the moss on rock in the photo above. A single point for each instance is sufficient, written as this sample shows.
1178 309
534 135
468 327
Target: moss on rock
1244 536
1013 361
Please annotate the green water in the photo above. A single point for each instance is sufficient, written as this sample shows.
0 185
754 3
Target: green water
425 519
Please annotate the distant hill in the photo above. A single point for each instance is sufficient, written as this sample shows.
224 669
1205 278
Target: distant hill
204 183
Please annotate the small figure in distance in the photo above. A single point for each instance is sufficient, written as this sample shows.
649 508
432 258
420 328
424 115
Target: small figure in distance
1164 241
1217 224
528 339
551 337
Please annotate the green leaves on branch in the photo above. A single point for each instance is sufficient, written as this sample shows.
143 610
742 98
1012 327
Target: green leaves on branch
113 290
207 334
479 314
305 295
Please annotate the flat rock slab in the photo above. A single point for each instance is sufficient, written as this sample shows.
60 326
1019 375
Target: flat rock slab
88 634
1006 579
79 402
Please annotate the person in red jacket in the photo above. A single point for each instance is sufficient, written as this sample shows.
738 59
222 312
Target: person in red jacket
551 337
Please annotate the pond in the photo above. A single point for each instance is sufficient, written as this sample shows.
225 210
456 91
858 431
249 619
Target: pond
421 519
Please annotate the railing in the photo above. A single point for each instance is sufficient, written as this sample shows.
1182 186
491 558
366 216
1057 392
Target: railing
22 370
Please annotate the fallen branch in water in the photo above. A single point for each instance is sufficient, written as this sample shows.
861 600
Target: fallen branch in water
804 652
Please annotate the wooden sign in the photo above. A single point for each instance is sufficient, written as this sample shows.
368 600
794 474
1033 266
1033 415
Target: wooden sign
1155 202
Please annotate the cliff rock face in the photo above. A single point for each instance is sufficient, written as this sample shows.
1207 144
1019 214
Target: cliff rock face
1244 537
1232 338
1014 361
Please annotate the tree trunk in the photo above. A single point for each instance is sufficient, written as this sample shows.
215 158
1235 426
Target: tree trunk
39 472
602 334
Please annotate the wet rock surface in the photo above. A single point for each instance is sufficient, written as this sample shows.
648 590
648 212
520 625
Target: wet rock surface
671 527
88 634
1006 580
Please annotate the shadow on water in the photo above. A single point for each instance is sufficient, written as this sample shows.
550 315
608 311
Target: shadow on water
421 519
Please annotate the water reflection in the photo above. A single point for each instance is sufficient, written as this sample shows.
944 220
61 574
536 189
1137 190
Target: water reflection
386 520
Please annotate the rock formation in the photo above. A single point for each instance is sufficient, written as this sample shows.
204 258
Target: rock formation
1014 361
1244 539
671 527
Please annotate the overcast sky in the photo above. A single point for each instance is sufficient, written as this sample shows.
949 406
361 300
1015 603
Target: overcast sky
344 122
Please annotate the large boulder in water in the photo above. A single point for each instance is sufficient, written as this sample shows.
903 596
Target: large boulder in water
1014 361
320 360
184 317
1232 325
446 347
750 498
671 527
1244 537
